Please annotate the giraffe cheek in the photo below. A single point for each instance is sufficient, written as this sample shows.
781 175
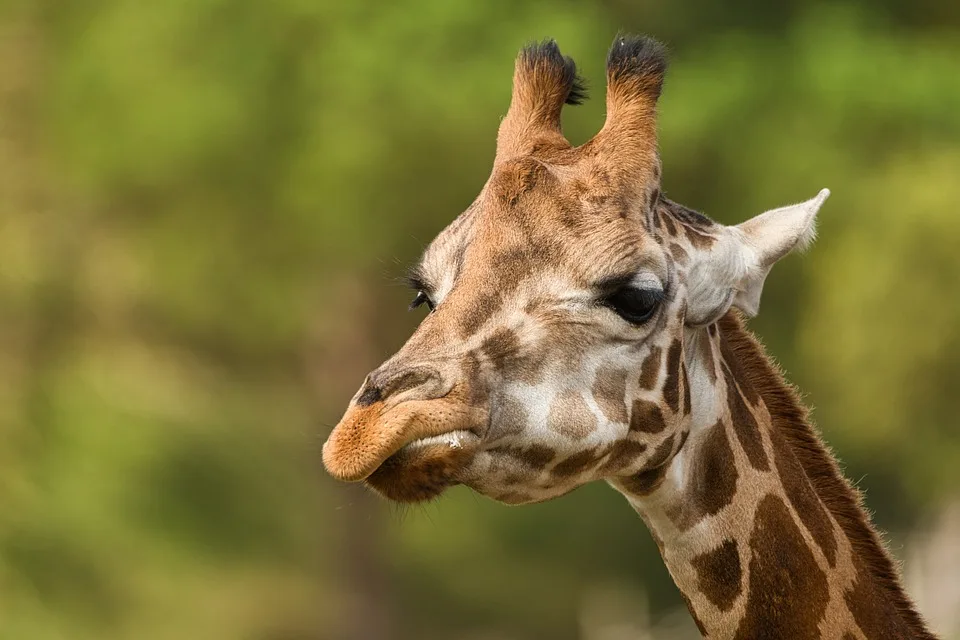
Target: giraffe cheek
508 418
570 416
609 392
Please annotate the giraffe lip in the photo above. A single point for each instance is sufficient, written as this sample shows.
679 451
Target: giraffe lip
422 469
456 439
368 435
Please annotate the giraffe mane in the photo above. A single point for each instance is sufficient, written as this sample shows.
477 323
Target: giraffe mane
842 499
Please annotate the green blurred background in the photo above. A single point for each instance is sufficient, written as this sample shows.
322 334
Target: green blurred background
205 206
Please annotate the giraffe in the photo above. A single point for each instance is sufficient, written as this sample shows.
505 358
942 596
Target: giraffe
582 326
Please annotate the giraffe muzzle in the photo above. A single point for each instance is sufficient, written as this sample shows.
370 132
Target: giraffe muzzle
368 434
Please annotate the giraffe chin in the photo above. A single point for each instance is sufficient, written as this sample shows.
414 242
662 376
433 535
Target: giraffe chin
423 469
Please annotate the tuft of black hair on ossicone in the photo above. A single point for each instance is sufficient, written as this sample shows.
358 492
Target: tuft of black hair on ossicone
547 53
578 90
637 58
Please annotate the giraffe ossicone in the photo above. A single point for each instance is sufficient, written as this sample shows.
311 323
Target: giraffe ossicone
584 327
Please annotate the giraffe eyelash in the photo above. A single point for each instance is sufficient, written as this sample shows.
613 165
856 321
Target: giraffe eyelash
416 281
421 299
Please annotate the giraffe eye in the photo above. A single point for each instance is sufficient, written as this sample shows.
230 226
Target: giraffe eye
421 299
633 304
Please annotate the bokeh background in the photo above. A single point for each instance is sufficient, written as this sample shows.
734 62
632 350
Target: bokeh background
205 208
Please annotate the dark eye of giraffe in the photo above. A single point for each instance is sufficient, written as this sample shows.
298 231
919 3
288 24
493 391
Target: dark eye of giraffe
421 299
633 304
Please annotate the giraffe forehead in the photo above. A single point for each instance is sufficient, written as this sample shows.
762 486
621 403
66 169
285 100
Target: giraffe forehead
538 214
494 251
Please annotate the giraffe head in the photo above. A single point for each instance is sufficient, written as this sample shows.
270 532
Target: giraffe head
553 353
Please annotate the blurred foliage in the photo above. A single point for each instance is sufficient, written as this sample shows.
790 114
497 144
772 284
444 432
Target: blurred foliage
203 209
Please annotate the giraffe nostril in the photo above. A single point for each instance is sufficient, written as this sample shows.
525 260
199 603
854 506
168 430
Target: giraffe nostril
370 395
384 383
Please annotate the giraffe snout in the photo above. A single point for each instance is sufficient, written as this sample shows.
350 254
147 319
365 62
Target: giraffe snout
423 382
397 405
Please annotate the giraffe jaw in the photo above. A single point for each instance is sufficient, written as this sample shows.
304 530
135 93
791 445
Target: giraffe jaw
423 469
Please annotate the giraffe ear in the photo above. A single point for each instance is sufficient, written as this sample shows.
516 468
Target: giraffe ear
769 237
732 273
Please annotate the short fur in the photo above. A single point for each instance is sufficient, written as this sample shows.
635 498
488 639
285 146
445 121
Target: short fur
845 502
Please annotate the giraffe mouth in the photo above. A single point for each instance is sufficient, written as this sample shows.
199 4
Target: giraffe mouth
424 468
368 435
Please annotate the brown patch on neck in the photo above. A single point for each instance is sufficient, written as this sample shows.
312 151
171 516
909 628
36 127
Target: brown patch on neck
804 499
714 480
719 574
782 568
624 453
843 501
646 417
645 482
744 423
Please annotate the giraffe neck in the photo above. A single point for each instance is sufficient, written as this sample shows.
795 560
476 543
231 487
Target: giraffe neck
760 531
